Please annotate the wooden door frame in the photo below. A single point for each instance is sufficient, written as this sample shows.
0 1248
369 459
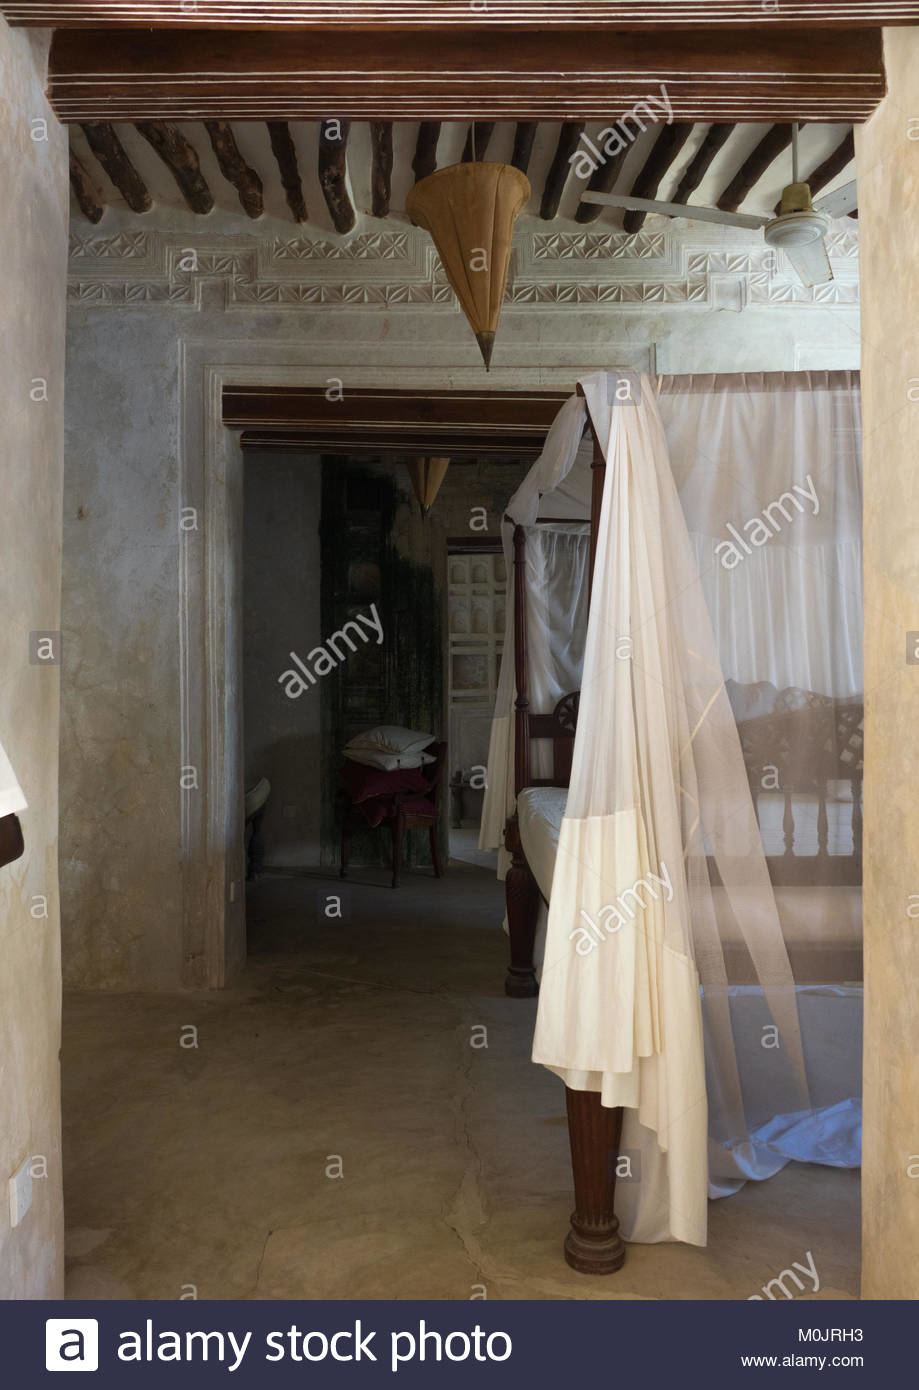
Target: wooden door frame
459 423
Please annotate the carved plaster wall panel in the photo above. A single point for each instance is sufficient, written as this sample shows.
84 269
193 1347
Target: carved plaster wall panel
400 268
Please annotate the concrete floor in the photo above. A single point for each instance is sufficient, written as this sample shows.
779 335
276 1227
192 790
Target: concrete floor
347 1048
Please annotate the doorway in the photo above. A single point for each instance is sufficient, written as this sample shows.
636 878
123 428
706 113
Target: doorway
326 526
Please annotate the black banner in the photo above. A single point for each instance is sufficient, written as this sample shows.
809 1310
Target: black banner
261 1344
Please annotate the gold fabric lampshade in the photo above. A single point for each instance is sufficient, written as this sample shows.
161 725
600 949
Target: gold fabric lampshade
470 210
427 474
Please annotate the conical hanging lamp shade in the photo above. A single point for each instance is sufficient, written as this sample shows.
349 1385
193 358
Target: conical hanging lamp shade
427 475
470 210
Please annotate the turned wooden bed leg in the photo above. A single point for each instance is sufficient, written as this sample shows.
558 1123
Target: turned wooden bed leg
522 898
593 1245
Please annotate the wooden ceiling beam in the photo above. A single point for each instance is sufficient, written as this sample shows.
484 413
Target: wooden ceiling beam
603 180
181 159
832 166
381 161
661 156
112 155
84 190
701 162
524 136
333 172
285 153
568 139
754 166
751 76
460 15
483 130
425 160
235 169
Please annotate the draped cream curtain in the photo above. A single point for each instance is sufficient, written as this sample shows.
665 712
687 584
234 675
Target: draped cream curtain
637 1001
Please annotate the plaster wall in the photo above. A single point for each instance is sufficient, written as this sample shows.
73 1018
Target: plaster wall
888 172
159 320
33 235
120 754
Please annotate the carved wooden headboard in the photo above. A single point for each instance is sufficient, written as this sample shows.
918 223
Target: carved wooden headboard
804 759
559 727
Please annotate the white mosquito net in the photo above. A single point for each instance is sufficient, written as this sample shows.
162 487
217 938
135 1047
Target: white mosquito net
677 980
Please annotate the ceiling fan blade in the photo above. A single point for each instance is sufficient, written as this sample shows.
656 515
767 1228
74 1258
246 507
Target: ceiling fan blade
811 263
840 202
694 214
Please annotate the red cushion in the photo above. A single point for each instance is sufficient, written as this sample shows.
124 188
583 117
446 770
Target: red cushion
362 782
380 808
420 806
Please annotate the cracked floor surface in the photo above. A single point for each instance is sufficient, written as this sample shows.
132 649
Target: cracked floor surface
360 1119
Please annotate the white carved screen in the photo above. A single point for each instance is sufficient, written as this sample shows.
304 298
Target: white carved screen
477 595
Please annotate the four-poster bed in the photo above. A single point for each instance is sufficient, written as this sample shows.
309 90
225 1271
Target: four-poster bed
800 752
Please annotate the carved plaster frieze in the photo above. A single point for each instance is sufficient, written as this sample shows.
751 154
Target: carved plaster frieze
622 292
400 268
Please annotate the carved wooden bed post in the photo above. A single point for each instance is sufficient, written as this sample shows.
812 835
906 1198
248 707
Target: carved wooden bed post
521 891
593 1244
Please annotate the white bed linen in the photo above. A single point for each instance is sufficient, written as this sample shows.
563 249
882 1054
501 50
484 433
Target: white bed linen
539 814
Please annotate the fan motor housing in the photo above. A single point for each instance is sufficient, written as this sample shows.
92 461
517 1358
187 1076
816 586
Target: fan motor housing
798 224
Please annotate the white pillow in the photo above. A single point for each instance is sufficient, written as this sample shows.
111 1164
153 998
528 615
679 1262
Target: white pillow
388 762
391 738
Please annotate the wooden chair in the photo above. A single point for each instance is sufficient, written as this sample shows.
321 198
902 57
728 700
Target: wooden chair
404 811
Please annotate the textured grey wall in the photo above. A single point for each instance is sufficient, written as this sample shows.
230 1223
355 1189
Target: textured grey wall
33 235
120 753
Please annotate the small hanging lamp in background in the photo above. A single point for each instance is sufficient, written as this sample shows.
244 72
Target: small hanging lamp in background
427 474
470 210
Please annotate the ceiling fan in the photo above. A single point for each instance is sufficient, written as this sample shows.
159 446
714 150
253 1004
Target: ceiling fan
799 229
